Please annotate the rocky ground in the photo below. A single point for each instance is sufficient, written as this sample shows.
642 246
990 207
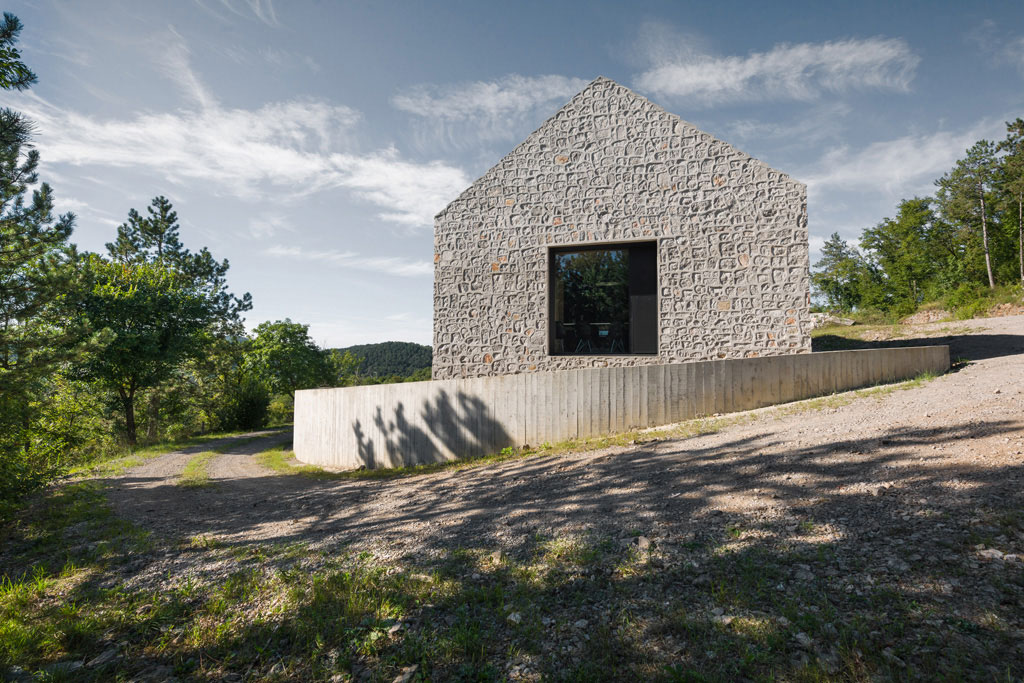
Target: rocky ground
876 534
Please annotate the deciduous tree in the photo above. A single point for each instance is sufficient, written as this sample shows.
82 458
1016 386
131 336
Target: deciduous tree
283 354
963 193
160 303
839 274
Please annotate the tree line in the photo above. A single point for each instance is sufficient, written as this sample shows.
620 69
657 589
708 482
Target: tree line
392 360
962 247
139 344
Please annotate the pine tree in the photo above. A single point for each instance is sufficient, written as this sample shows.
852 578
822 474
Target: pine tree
14 75
36 283
160 303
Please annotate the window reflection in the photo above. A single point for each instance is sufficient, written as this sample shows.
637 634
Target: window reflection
598 300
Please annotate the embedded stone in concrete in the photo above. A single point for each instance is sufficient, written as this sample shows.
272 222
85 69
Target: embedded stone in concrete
612 167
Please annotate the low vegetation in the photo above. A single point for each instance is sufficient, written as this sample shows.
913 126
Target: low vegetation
637 606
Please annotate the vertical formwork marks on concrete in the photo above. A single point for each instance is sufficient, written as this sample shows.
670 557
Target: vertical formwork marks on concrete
420 422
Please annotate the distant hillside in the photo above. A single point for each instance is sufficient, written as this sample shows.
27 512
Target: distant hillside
391 358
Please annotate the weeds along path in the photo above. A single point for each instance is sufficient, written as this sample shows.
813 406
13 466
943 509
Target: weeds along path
958 435
173 492
873 535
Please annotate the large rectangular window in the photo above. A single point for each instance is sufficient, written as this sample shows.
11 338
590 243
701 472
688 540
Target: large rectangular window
604 299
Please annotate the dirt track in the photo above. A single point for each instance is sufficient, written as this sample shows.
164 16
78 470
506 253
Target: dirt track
952 445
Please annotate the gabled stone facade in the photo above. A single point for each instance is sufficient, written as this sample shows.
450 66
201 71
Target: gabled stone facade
610 167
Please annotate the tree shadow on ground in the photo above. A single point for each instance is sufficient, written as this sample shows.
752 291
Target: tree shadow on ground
837 574
969 346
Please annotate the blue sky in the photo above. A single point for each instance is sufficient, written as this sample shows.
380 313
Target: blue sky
311 143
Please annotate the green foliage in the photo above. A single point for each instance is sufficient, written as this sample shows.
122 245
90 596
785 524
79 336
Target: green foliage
14 75
160 304
900 248
839 274
390 358
247 406
286 359
344 367
961 247
962 195
38 282
281 410
156 318
1012 195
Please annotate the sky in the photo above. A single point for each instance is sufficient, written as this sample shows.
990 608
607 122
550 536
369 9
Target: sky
311 143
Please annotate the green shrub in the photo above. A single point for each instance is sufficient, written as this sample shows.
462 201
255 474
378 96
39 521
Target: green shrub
281 410
971 300
967 294
246 407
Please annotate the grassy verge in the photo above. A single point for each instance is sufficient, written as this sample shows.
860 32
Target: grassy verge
282 460
843 338
120 462
197 470
750 600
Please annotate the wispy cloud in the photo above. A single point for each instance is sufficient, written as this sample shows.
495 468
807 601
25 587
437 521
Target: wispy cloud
1013 53
809 127
174 63
387 265
999 45
899 167
260 10
269 225
801 71
65 204
296 148
467 113
510 95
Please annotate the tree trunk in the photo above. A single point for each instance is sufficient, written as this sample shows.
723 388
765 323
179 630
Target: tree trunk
128 403
1020 234
984 239
152 418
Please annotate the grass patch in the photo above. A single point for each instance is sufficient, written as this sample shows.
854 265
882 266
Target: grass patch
845 338
559 608
197 470
119 462
282 460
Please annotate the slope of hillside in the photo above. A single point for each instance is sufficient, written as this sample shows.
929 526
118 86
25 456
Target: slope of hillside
391 358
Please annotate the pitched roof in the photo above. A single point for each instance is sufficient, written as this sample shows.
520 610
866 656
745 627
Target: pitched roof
608 87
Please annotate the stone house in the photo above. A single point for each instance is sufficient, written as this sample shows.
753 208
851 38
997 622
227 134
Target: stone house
618 234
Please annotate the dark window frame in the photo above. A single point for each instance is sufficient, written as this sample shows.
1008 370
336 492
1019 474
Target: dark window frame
553 251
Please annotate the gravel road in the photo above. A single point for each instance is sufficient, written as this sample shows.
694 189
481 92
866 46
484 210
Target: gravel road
952 445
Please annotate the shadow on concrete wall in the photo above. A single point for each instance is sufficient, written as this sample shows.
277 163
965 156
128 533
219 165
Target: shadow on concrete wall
464 427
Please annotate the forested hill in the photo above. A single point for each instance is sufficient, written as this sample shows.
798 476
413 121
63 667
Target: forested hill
391 358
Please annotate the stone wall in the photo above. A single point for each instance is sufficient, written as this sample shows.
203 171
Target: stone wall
611 166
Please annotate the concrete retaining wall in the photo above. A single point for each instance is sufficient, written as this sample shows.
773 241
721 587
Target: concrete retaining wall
391 425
